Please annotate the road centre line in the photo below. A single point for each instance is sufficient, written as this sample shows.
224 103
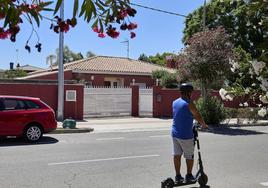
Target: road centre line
107 159
117 138
265 184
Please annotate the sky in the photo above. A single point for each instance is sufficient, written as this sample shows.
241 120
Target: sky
156 33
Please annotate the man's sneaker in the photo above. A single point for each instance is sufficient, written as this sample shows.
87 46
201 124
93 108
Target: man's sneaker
179 179
190 178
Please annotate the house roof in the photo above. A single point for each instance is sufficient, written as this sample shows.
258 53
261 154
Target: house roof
114 65
106 65
30 68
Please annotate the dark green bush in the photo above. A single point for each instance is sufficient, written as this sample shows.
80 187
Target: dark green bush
212 110
158 74
169 81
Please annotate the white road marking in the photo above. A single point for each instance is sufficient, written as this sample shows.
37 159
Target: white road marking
96 131
264 184
107 159
118 138
159 136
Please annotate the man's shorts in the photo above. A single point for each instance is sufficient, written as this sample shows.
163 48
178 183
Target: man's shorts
183 146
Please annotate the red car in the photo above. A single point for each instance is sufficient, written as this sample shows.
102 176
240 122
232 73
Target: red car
25 116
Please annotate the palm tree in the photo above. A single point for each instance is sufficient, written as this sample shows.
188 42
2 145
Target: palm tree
50 60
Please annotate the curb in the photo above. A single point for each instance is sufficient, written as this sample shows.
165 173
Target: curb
68 130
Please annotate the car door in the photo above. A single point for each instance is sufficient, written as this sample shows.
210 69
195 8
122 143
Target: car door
2 118
13 117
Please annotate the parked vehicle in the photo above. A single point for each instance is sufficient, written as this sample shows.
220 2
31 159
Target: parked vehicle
25 116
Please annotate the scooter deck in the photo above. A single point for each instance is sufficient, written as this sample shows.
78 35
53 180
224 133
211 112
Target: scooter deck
184 183
169 183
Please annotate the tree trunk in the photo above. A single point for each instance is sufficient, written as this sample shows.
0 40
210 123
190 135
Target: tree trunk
203 89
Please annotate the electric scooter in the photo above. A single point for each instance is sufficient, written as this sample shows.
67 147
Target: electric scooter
200 176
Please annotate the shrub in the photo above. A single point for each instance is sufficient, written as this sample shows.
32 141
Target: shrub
250 114
212 110
158 74
169 81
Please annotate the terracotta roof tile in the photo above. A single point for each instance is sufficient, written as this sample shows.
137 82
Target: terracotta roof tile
114 64
106 64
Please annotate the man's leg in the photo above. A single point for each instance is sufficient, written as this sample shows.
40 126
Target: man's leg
189 164
177 152
188 148
177 164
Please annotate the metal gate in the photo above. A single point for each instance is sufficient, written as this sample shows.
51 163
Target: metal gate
101 101
146 102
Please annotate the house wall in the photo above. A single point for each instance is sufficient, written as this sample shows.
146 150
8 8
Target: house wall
49 94
99 79
163 98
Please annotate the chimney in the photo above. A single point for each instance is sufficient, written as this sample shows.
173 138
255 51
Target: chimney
11 65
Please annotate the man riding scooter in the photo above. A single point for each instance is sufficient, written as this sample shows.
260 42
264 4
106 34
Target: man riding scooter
184 111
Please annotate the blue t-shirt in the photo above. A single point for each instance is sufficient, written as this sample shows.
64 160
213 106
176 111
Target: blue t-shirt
182 126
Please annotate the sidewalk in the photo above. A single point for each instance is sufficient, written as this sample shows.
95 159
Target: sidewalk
112 124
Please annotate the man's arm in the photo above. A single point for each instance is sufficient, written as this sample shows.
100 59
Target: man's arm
197 115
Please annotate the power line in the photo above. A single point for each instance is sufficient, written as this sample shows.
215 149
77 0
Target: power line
158 10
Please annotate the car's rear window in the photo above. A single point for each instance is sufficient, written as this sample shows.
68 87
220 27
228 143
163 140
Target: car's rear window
31 104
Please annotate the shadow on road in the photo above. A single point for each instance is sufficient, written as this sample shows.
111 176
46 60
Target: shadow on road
207 186
230 131
22 142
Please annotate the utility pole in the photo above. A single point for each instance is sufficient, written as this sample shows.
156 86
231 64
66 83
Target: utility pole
127 41
17 56
61 70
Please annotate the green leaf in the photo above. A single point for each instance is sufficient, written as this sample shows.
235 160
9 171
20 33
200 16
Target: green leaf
9 16
95 24
107 17
100 6
76 3
101 25
92 8
57 6
88 16
102 3
45 4
83 8
48 9
36 17
108 2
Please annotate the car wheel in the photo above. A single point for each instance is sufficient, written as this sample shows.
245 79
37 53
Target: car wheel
33 133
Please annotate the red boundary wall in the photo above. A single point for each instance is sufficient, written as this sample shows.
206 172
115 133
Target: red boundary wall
48 93
163 98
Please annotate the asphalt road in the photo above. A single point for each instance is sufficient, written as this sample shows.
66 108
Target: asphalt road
232 158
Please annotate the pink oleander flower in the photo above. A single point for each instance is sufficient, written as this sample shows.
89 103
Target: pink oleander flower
64 27
112 32
96 29
132 35
132 26
4 34
101 35
122 14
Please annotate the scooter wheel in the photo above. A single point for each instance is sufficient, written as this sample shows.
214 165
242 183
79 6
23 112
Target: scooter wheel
203 179
168 183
